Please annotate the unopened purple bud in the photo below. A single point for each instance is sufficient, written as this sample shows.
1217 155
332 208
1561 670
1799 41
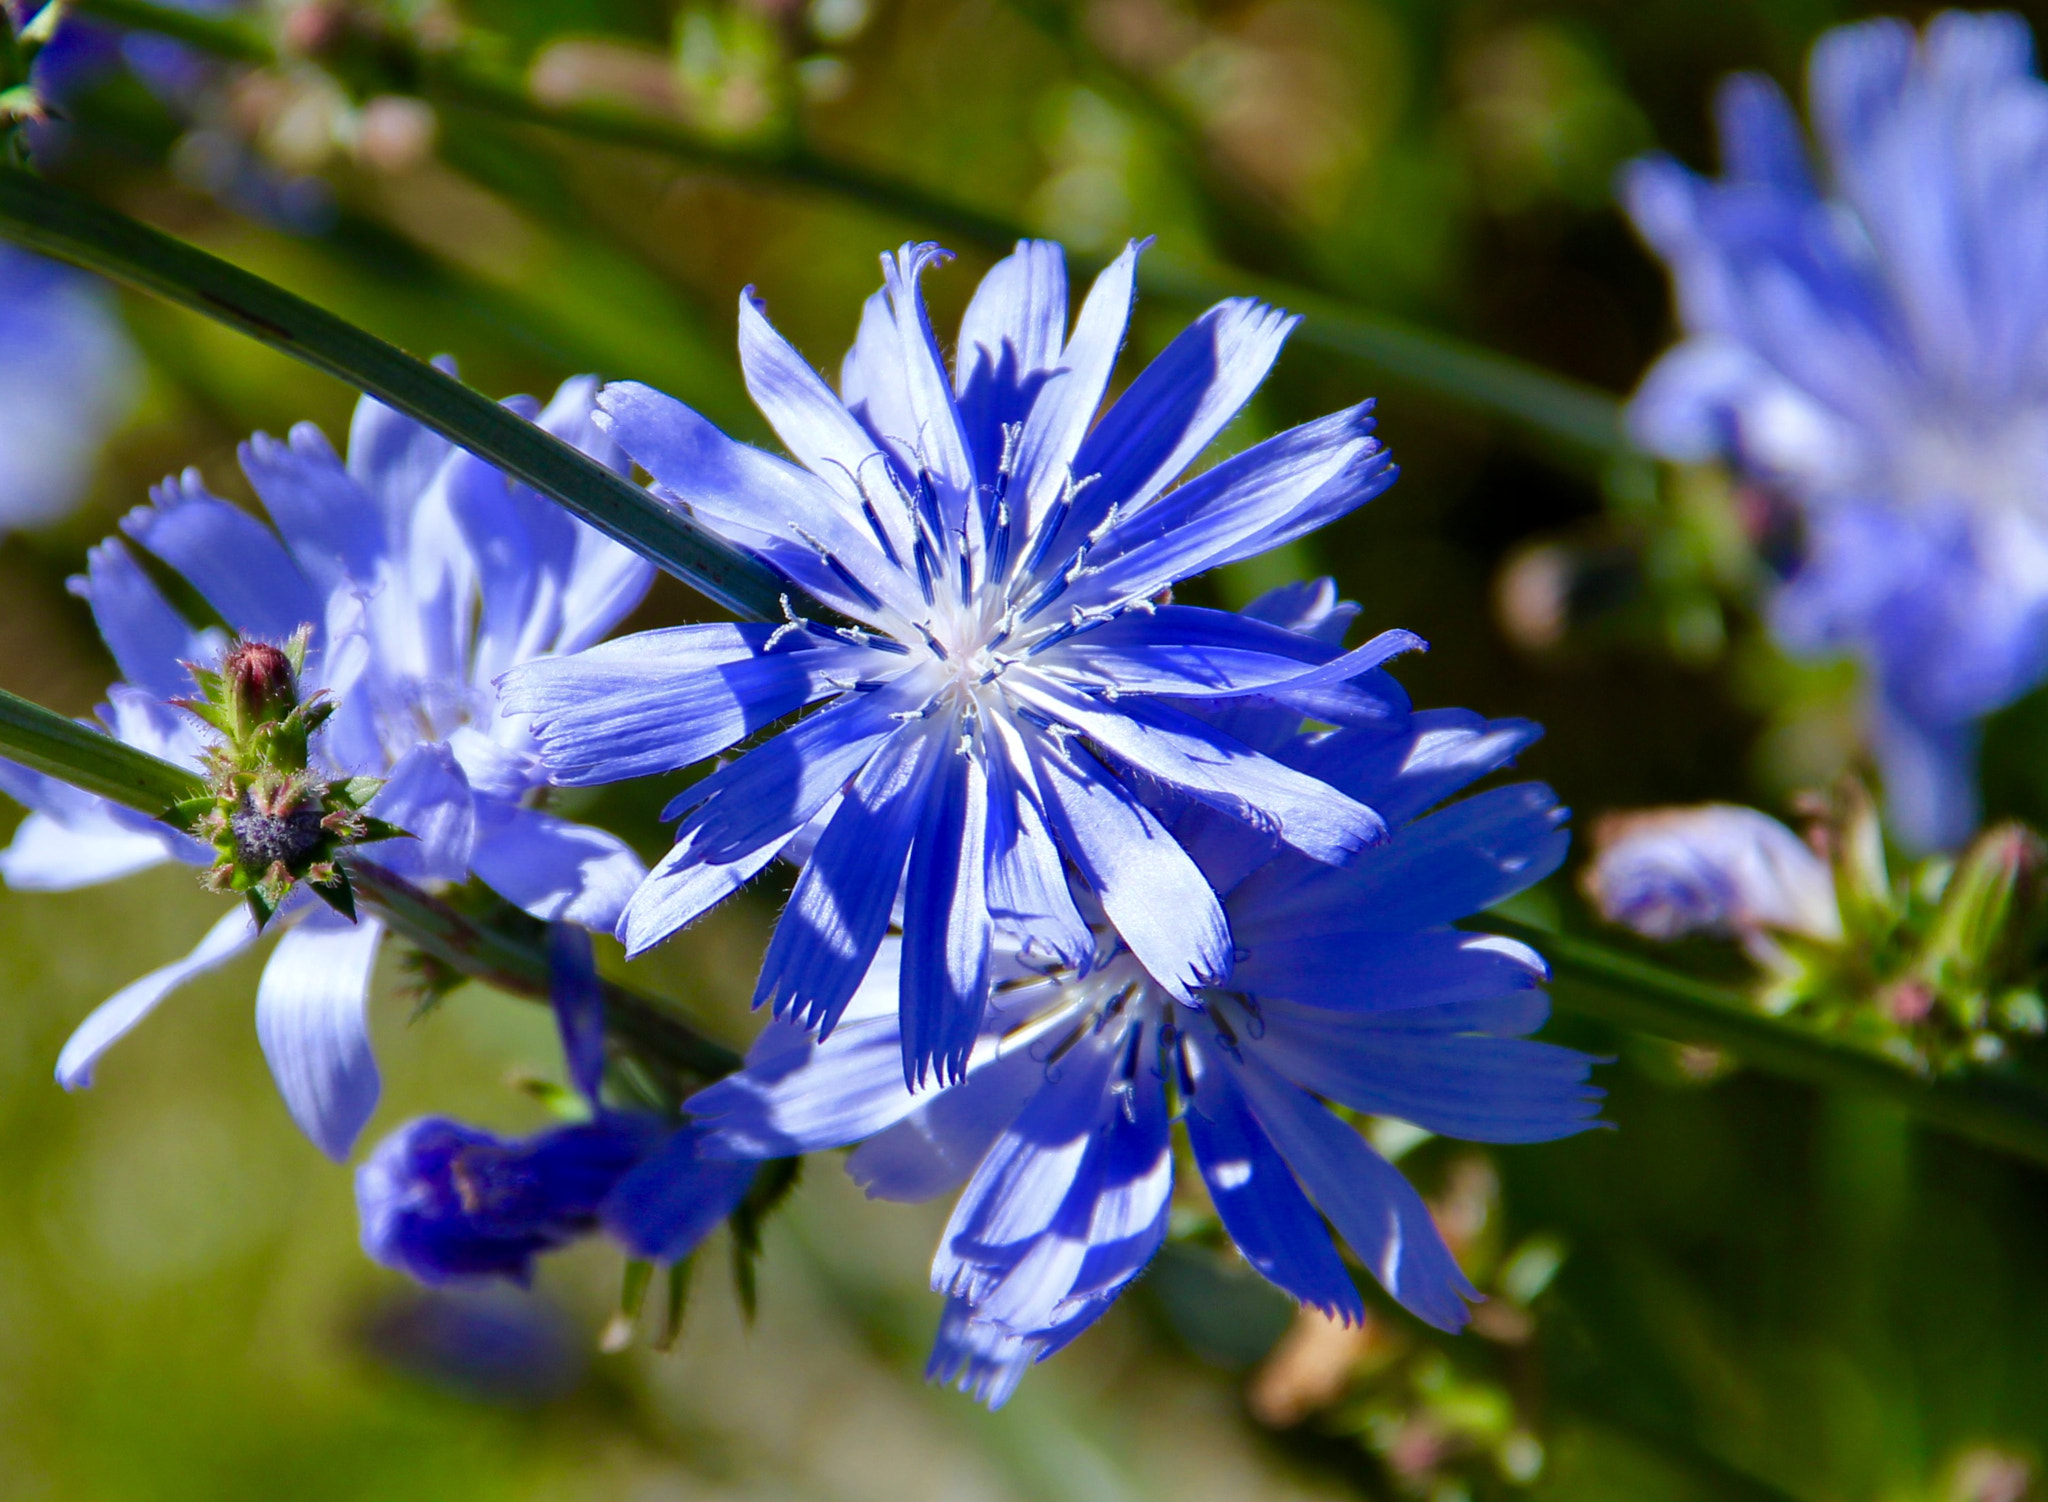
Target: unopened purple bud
260 682
1717 868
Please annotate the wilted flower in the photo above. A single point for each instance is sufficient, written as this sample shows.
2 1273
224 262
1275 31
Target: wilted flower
449 1203
1016 673
1351 988
1871 344
424 574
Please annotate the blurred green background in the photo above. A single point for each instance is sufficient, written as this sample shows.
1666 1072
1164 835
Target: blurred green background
1747 1291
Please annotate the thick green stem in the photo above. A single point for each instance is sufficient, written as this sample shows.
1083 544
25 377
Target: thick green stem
1454 369
62 224
44 740
1995 1106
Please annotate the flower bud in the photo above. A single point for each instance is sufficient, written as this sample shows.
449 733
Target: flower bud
260 682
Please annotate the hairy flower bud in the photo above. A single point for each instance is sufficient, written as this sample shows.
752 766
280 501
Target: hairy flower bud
272 822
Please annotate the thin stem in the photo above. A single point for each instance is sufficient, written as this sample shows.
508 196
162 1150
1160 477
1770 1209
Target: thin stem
1454 369
44 740
1995 1106
60 223
511 962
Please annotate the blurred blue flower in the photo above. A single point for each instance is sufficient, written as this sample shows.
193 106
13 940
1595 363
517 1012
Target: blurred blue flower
67 372
425 574
449 1203
1875 347
1716 869
1006 556
1351 987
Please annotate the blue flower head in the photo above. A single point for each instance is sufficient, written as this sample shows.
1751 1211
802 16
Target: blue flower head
1351 989
66 373
449 1203
1873 344
425 574
1014 675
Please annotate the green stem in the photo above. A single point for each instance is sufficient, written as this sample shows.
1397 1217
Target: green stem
51 219
45 741
1454 369
1993 1106
510 962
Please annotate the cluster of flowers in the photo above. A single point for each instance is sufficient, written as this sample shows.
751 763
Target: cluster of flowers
1076 861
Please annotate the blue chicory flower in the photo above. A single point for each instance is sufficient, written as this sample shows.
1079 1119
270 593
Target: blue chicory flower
426 574
1716 868
1015 673
67 372
449 1203
1351 987
1871 346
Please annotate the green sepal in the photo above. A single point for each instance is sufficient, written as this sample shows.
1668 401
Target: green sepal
678 1305
337 893
772 1183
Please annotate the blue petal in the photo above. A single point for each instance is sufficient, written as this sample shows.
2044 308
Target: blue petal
1466 857
1213 654
1028 891
765 504
448 1203
826 939
662 700
427 796
49 854
309 1019
232 559
1053 1219
1155 895
320 511
1174 410
872 384
1066 405
1405 769
1372 1207
1010 340
812 423
946 926
773 790
114 1018
552 868
798 1095
1261 1206
1760 137
578 1000
1378 972
150 641
671 1202
1254 501
1309 606
977 1357
940 442
937 1145
683 887
1203 763
393 457
1462 1084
